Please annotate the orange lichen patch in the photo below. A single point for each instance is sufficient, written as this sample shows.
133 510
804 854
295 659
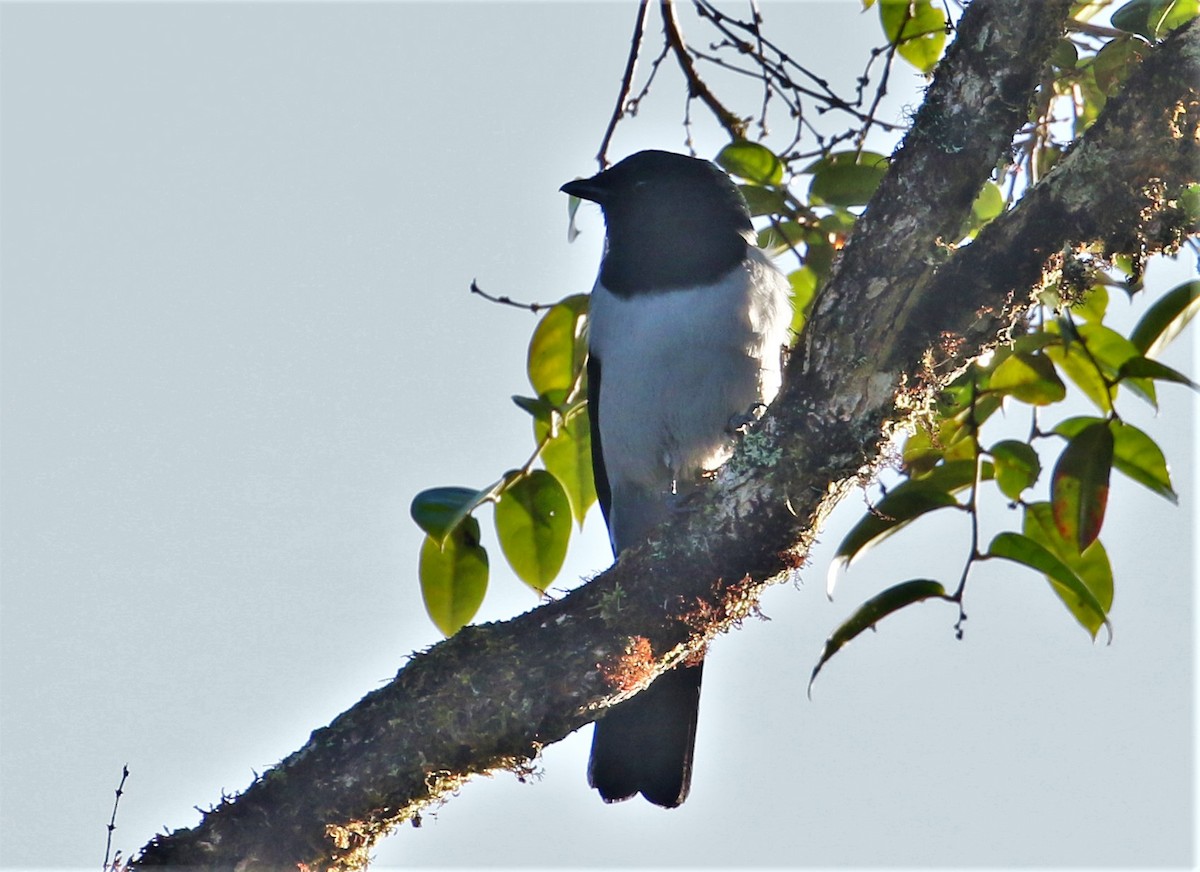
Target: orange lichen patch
738 601
696 657
631 669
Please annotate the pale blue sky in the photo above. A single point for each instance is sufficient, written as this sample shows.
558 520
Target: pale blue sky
237 340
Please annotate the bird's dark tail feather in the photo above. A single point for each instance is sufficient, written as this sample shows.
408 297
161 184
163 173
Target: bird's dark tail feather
645 744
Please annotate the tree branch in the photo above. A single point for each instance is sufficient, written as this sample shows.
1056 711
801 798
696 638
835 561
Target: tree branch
492 695
635 47
734 126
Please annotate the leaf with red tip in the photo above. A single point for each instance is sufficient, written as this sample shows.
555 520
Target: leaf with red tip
1079 486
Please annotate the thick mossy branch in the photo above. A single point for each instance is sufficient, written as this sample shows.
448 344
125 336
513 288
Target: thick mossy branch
491 696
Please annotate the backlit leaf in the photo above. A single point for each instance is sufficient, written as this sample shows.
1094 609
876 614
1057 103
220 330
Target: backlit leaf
1024 550
1135 454
1030 378
917 27
1017 467
533 522
988 204
454 577
568 457
804 288
558 346
1079 484
1093 305
1091 566
846 178
751 161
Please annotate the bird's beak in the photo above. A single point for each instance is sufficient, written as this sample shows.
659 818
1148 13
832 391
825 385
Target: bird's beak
586 189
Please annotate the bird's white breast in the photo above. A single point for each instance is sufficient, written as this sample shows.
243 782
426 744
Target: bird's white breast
678 366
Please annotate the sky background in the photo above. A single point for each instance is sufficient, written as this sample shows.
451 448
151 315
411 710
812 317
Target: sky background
237 340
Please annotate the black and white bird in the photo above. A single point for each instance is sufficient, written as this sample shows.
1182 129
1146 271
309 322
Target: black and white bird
687 325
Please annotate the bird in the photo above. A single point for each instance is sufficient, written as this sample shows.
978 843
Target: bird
687 327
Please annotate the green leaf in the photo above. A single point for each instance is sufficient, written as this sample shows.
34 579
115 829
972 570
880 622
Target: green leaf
953 476
533 522
1091 566
1138 456
874 610
454 577
1189 202
1017 467
1030 378
1106 349
568 457
1079 484
1135 454
539 407
1115 61
1025 551
1093 304
440 510
917 28
846 178
1065 56
1144 367
902 504
920 454
1154 19
763 201
558 346
751 161
988 204
1166 319
804 289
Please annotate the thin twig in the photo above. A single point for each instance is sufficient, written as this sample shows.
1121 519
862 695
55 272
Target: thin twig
635 47
112 822
734 126
508 301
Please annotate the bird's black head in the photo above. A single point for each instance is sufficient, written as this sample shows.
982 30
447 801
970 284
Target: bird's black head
673 221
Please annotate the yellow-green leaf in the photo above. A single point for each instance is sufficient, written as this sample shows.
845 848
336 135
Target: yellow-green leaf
1030 378
568 457
533 522
1091 566
917 28
751 161
454 577
1079 599
1017 467
846 178
558 346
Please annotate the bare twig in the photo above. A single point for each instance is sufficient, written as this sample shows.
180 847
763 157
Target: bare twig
508 301
112 822
734 126
635 47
